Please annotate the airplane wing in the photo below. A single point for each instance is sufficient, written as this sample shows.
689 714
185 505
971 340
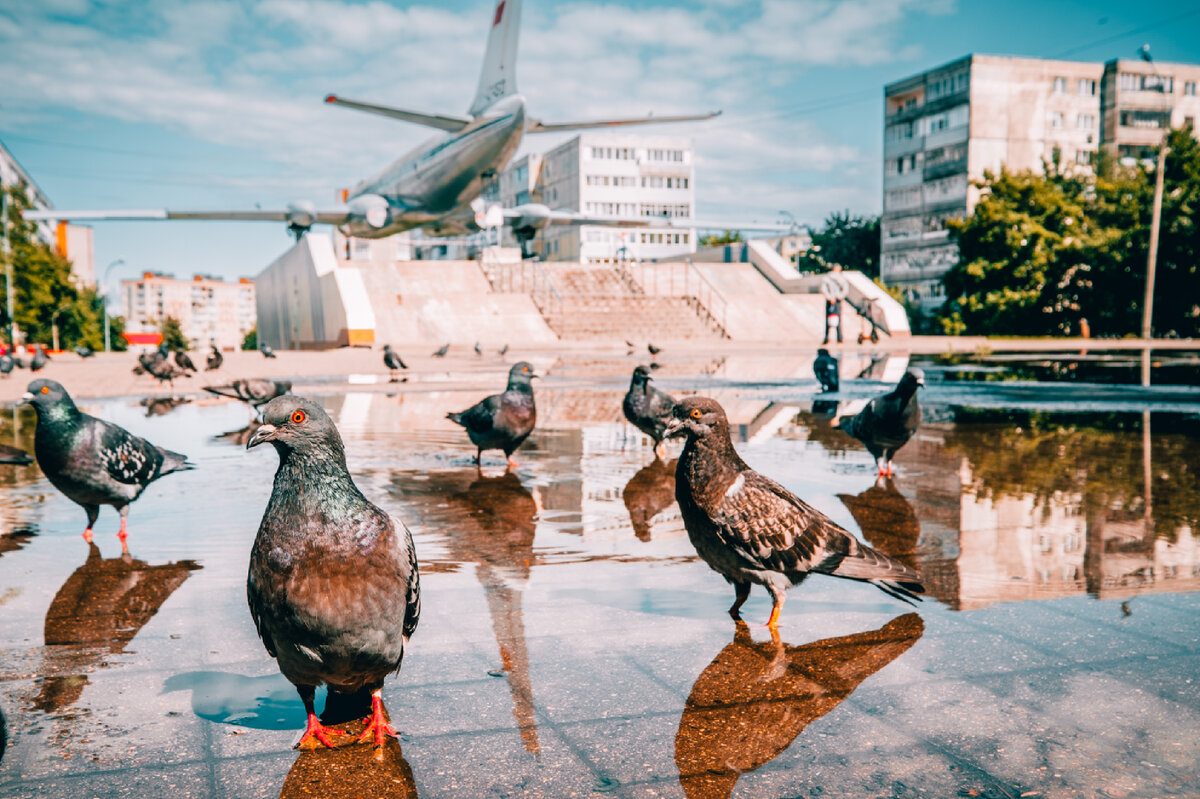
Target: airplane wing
297 215
450 122
574 218
537 126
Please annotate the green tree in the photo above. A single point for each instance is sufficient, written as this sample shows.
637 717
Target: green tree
44 292
1041 252
849 240
250 342
172 333
721 239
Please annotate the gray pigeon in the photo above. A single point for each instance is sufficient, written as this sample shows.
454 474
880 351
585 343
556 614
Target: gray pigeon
267 351
6 364
39 360
825 368
441 351
215 359
502 421
750 529
184 361
392 361
647 408
91 461
253 391
333 586
478 349
888 421
84 351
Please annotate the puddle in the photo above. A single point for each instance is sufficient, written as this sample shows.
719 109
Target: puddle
571 641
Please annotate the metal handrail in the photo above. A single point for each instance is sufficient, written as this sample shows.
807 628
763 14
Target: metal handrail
682 279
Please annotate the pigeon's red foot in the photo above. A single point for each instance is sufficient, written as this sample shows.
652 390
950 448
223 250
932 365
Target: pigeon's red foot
87 535
317 734
377 725
512 464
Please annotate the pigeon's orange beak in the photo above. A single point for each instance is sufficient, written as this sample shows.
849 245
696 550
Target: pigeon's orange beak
265 432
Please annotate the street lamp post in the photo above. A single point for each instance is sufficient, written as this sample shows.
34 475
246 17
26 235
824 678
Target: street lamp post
8 267
104 298
1155 222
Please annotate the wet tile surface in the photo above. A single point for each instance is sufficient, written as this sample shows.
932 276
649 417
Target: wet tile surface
571 644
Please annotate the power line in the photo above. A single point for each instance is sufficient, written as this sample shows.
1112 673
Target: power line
1130 32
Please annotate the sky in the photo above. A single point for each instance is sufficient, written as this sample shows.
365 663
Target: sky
212 104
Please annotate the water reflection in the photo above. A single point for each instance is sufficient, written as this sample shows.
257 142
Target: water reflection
240 436
649 492
161 406
492 525
752 701
887 520
96 613
15 541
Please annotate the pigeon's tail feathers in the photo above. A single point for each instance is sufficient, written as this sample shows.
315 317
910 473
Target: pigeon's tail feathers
223 391
174 462
888 575
905 592
456 417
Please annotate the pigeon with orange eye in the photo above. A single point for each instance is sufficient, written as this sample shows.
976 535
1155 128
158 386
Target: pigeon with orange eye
333 585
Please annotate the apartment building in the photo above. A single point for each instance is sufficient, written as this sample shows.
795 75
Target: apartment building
207 307
609 175
944 128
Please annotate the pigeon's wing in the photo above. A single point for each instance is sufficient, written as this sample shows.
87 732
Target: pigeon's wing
127 458
773 529
481 417
258 390
661 404
412 612
255 601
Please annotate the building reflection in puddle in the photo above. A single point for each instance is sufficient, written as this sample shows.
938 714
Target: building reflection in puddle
752 701
492 526
650 491
95 614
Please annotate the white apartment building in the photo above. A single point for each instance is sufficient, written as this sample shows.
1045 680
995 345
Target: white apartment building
609 175
207 308
944 128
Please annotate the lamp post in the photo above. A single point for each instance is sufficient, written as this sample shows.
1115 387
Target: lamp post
1155 222
8 267
104 297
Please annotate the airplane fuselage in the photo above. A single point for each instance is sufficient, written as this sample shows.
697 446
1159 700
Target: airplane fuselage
433 185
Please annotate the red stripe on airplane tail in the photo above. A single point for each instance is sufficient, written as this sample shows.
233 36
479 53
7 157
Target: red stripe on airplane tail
499 13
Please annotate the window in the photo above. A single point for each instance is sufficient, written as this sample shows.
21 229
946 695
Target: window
1133 82
1086 87
1056 119
1083 157
1145 119
1085 121
1189 88
900 132
1060 85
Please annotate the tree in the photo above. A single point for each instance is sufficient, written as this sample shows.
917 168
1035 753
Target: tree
851 241
721 239
1041 252
44 291
250 342
172 333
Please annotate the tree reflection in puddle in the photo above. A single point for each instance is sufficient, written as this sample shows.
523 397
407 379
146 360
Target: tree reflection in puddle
752 701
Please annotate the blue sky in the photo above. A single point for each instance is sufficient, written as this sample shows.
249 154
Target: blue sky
217 103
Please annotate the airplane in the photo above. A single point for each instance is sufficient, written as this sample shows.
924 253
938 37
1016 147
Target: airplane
437 185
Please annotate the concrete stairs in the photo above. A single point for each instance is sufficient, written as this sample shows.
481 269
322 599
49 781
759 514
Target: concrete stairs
637 318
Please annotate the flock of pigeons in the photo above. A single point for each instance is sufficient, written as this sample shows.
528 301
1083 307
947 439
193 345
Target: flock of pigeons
333 584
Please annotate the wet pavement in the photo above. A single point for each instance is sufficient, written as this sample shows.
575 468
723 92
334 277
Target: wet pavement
571 643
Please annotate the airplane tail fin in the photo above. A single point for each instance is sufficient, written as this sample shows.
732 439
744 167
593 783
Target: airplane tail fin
499 76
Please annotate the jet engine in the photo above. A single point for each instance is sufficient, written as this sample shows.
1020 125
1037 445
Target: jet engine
532 218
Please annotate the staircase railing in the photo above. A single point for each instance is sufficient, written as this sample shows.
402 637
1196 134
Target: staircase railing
523 277
679 279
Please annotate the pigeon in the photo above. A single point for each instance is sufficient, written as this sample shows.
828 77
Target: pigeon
749 529
503 351
478 349
39 360
653 349
649 492
333 585
267 351
502 421
14 456
441 351
392 361
161 406
6 364
20 362
158 367
888 421
253 391
184 361
84 351
825 367
215 359
91 461
647 408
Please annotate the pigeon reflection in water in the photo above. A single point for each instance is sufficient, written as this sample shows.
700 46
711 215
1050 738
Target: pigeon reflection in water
887 520
492 524
649 492
161 406
752 701
241 435
96 613
350 772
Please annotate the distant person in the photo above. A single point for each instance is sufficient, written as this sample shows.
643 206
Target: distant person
834 288
833 320
1085 330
